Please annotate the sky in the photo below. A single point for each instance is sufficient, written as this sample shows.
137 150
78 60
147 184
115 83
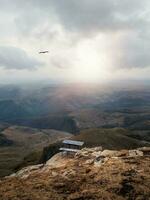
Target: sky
87 40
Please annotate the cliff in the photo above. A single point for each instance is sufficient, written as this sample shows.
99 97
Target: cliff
91 174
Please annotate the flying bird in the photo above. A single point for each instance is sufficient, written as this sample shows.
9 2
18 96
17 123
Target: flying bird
43 52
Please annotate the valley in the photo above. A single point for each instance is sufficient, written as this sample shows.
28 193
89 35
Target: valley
17 142
40 117
73 108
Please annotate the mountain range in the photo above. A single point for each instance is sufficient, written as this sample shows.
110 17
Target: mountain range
33 118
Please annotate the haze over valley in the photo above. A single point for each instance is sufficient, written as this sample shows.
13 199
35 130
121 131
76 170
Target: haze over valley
36 117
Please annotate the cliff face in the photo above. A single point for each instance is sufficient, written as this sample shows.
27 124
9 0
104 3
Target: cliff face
90 174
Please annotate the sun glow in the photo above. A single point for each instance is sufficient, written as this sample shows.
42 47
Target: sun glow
90 65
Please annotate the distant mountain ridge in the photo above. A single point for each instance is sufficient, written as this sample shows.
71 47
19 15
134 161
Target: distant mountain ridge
71 109
113 117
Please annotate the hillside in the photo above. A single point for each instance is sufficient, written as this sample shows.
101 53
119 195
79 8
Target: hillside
4 141
111 138
73 108
90 112
114 138
59 121
92 174
17 142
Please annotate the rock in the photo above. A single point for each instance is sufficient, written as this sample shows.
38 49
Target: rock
54 173
96 154
98 148
109 153
133 153
109 177
98 158
88 150
81 154
25 172
122 153
100 162
57 161
89 162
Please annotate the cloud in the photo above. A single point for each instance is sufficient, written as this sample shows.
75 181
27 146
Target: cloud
84 16
63 25
87 19
61 62
132 51
16 58
100 15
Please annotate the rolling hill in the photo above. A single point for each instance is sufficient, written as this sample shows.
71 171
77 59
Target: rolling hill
90 112
17 142
73 108
110 138
114 138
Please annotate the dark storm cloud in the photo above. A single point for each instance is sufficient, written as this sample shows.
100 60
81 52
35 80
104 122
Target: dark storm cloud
15 58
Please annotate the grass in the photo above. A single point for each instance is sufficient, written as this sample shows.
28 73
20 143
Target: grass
114 138
115 179
26 146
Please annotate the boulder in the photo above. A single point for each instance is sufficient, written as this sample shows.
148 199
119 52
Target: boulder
136 152
109 153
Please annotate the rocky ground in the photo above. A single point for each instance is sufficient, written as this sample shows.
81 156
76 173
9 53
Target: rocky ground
91 174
